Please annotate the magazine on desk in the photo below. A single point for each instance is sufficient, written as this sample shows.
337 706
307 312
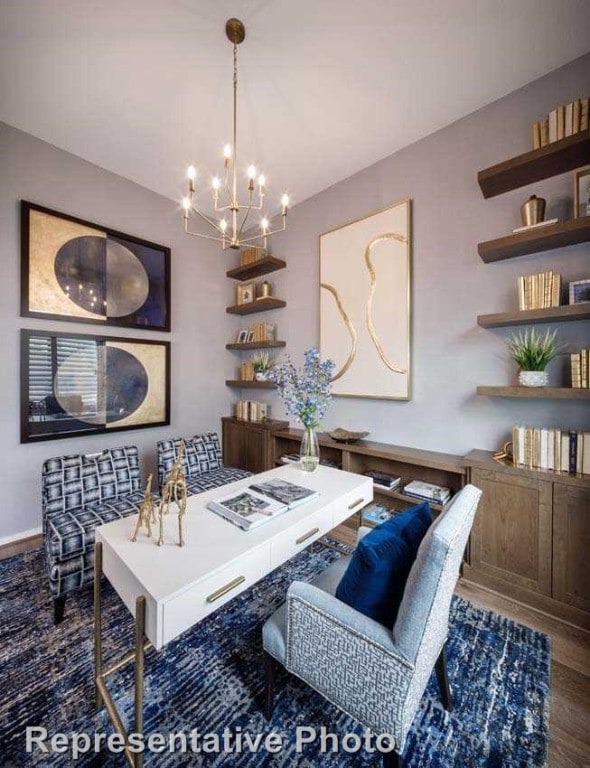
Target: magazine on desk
260 502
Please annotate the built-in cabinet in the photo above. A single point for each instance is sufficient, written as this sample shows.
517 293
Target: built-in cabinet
531 537
249 444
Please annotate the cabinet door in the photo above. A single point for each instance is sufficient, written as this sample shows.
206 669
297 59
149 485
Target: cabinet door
511 536
245 446
233 445
571 544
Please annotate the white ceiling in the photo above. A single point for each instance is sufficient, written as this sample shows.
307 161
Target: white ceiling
327 87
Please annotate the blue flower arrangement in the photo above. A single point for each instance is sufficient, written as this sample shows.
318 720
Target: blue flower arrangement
305 391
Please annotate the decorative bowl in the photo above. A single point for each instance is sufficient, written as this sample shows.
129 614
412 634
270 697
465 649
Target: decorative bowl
344 436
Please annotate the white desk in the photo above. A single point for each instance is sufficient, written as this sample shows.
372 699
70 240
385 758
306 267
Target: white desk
170 588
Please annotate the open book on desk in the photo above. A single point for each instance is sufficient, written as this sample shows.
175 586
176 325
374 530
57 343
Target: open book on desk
260 502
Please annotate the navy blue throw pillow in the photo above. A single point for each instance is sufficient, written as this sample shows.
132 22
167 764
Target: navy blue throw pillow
375 579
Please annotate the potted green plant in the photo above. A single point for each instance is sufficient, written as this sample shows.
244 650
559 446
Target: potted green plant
532 352
262 364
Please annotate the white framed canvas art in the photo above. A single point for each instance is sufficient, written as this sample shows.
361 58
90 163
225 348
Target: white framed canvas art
365 304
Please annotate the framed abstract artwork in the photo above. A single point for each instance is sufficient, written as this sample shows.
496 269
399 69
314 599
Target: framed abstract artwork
365 304
76 384
75 270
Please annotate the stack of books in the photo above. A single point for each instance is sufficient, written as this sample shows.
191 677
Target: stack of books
553 449
295 458
375 514
383 479
418 489
261 502
250 255
539 291
251 410
579 365
263 332
561 122
246 372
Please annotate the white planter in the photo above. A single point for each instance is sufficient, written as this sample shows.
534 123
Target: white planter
533 378
260 376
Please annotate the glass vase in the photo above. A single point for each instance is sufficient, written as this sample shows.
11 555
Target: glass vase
309 455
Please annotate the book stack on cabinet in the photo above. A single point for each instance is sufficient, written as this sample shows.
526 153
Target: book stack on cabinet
563 121
551 449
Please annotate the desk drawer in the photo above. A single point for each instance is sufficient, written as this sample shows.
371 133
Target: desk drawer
299 536
351 503
211 593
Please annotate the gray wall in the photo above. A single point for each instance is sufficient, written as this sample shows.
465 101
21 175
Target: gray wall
451 285
33 170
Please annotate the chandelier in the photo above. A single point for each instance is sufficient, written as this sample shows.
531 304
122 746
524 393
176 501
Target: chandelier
228 229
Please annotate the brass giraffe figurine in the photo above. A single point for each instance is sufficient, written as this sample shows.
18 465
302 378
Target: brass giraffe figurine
147 511
174 490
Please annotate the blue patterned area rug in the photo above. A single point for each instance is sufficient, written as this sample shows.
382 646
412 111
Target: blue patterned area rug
211 679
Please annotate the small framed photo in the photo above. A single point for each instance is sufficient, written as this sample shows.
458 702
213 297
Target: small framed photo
250 336
242 337
582 193
246 293
579 291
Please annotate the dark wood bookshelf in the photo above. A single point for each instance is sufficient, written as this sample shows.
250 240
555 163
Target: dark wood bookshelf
250 384
258 268
551 160
536 393
258 305
565 313
256 345
558 235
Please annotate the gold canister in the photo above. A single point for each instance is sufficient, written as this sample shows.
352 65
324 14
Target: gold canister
265 290
533 211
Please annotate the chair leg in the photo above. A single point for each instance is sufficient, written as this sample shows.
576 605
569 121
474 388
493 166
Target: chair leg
59 606
392 760
443 680
270 671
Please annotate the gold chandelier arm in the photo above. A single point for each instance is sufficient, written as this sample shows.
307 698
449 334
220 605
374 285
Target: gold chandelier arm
206 218
206 237
266 234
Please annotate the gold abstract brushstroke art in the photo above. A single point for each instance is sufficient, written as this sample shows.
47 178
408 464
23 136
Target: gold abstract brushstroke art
349 325
369 308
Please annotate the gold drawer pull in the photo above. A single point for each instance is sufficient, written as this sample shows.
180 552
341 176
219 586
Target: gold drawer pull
355 503
224 590
307 535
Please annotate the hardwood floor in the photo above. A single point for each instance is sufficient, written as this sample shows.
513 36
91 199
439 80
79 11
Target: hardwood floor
569 727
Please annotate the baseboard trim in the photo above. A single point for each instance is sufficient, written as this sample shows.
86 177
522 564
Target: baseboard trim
26 541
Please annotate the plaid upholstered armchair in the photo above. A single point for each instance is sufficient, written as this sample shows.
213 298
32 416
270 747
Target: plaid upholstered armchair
376 674
79 493
202 463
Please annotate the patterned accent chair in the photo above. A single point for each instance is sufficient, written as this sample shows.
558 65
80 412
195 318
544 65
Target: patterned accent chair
203 465
376 674
80 492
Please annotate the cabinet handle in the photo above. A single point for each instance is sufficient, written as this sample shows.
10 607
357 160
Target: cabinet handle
307 535
227 588
355 503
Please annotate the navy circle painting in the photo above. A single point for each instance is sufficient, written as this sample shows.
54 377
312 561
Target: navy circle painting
75 270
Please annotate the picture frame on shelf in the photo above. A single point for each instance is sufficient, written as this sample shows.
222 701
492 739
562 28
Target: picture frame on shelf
242 336
250 336
245 293
579 291
79 271
582 193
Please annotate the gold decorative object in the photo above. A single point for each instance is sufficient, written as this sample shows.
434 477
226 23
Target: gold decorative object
147 511
225 189
533 211
345 436
265 290
174 490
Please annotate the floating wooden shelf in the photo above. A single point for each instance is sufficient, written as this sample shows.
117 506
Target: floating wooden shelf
539 393
566 313
534 241
558 157
256 269
258 305
250 384
257 345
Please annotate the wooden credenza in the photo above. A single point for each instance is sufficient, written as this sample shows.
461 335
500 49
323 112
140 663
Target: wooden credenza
531 537
249 444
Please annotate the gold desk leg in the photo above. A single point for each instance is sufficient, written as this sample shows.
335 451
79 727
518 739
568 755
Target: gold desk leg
139 656
97 622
